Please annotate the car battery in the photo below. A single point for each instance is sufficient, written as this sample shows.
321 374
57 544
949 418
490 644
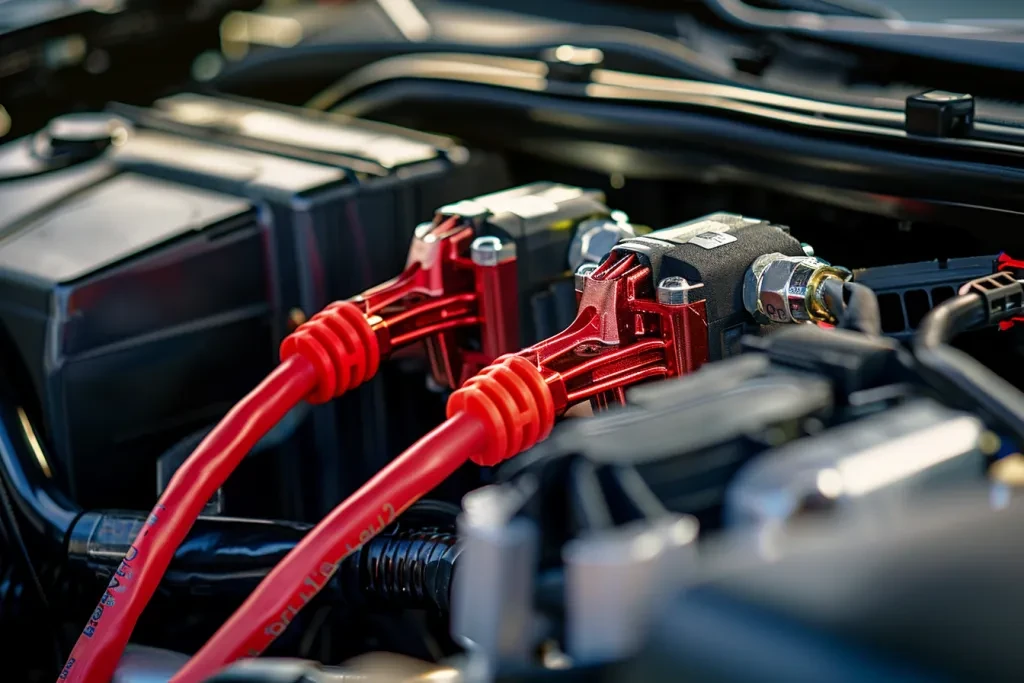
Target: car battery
148 272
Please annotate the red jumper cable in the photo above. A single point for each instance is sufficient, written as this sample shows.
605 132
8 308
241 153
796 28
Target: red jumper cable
452 282
627 331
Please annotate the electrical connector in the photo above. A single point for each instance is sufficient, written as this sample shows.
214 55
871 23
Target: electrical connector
788 289
1007 264
1003 295
639 318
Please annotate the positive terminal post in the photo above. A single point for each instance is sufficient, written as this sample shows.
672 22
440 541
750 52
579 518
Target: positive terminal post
490 251
676 291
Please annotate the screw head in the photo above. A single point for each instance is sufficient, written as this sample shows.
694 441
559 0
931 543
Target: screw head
423 229
674 291
594 238
582 273
490 251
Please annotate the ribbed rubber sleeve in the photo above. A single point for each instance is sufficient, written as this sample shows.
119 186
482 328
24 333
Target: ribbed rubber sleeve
512 399
340 344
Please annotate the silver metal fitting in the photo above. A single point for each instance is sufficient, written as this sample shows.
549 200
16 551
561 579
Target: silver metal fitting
594 238
865 471
490 251
786 289
492 594
582 273
614 579
675 291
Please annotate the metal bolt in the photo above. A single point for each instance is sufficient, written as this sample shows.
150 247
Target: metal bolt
485 250
675 291
594 238
582 273
422 230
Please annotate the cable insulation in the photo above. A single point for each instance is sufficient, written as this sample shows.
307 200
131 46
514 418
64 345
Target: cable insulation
307 569
99 648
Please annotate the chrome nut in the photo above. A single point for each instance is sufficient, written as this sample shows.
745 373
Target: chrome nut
781 289
595 238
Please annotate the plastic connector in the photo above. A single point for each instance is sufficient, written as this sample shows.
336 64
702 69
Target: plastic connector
1005 263
340 344
512 399
1003 295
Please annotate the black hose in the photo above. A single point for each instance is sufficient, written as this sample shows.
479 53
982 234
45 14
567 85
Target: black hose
225 558
949 319
965 379
222 558
407 570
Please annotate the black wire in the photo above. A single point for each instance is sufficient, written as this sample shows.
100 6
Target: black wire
966 380
12 533
949 319
855 306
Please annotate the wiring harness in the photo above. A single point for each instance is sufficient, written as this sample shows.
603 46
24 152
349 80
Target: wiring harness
441 290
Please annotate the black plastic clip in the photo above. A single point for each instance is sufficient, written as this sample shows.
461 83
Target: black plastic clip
939 114
1003 295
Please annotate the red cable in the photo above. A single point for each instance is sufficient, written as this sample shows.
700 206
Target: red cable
331 353
504 410
99 648
309 566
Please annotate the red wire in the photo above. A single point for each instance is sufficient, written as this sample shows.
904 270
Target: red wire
309 566
99 648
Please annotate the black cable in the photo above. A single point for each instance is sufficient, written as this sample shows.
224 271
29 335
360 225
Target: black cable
225 558
13 535
949 319
963 378
855 306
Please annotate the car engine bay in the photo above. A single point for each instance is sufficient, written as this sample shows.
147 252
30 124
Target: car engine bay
508 342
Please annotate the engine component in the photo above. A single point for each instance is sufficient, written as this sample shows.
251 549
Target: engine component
172 247
510 406
644 561
852 423
714 252
536 222
851 604
996 299
867 471
492 597
513 252
595 238
337 350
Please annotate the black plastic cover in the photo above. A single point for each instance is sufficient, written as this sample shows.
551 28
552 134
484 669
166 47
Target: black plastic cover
934 597
908 291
